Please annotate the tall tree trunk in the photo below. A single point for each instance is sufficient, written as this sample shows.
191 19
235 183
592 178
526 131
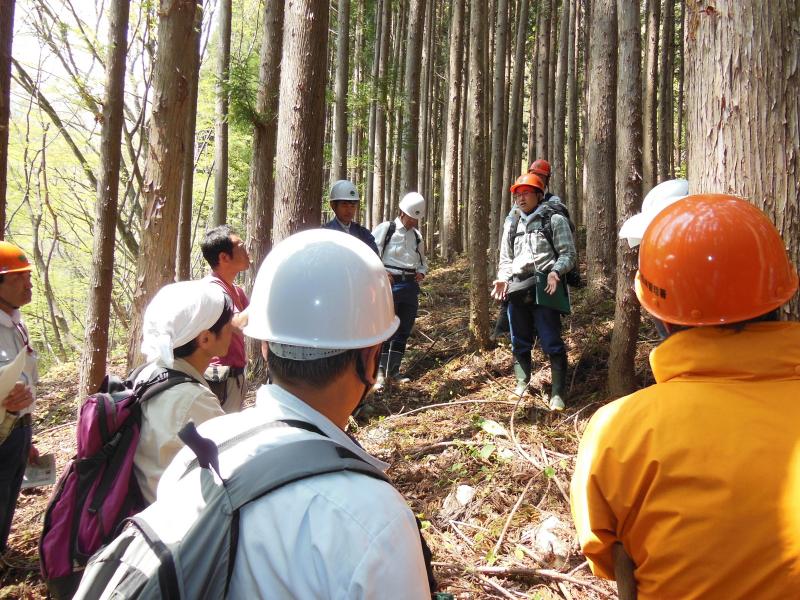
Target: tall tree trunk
261 190
184 258
552 40
478 180
572 116
298 183
381 48
424 109
498 140
95 346
451 163
621 367
665 91
513 131
543 77
6 39
163 168
745 139
650 109
220 215
559 116
678 137
532 124
339 162
410 140
601 233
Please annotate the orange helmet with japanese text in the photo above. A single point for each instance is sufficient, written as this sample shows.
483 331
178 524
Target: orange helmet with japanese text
711 259
13 259
540 167
527 180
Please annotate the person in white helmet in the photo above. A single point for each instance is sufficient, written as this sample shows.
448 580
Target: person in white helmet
661 196
341 534
402 250
344 201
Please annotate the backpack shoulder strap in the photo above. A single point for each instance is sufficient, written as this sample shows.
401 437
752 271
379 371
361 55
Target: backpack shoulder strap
389 233
160 381
512 233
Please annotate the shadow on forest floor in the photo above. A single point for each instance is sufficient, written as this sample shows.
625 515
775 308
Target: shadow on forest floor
452 429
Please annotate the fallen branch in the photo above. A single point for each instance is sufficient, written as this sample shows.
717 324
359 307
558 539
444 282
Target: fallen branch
510 516
441 404
524 573
496 587
426 449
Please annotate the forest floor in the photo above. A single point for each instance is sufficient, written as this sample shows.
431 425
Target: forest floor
488 476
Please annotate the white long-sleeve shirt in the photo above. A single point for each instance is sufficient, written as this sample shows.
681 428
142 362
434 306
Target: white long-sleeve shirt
13 340
341 535
404 252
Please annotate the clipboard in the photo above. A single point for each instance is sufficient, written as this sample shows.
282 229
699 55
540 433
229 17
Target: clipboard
558 301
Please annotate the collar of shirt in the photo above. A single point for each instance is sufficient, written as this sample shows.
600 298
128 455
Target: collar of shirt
277 404
345 228
10 320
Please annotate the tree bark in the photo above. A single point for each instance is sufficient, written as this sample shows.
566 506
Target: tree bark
543 78
184 258
479 198
498 107
298 183
220 212
571 174
743 109
163 168
621 367
381 31
451 182
95 346
6 39
559 115
601 233
339 161
665 82
678 136
410 129
552 39
650 109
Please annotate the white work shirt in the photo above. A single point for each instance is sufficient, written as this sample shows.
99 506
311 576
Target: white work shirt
341 535
13 338
163 416
403 254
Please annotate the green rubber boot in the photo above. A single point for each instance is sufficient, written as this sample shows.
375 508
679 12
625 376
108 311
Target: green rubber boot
522 371
558 373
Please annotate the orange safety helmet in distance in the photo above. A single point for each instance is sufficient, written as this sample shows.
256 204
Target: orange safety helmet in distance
540 167
528 180
711 259
13 259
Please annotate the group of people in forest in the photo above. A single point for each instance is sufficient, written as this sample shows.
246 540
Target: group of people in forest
689 488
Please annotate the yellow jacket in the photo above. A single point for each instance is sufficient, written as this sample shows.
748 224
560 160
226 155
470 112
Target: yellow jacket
699 475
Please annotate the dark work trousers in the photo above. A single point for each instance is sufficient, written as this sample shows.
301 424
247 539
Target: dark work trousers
501 327
406 303
531 320
13 459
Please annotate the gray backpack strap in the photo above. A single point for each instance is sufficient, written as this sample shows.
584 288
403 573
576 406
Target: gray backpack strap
279 466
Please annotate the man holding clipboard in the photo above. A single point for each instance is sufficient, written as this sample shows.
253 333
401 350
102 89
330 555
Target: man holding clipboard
530 275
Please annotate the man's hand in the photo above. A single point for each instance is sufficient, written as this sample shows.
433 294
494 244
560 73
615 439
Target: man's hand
499 290
419 277
18 398
552 282
391 278
33 455
239 321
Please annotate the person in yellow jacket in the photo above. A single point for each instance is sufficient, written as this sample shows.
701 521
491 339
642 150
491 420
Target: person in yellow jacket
692 485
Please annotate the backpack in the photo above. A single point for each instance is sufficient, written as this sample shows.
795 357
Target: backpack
185 547
390 232
98 489
546 210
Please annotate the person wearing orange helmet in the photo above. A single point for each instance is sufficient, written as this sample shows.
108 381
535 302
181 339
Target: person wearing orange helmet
17 405
541 167
691 485
532 258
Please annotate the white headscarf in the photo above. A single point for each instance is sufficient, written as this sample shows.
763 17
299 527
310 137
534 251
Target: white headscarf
177 314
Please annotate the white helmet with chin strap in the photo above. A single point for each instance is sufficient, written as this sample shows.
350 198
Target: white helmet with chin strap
413 204
319 293
656 200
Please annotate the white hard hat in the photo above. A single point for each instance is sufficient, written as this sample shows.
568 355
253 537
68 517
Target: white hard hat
657 199
344 190
413 204
322 289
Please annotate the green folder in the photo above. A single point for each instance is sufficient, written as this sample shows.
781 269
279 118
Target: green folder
559 300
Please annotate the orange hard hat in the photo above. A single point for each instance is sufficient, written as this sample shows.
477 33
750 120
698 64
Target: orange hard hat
13 259
711 259
540 167
527 180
